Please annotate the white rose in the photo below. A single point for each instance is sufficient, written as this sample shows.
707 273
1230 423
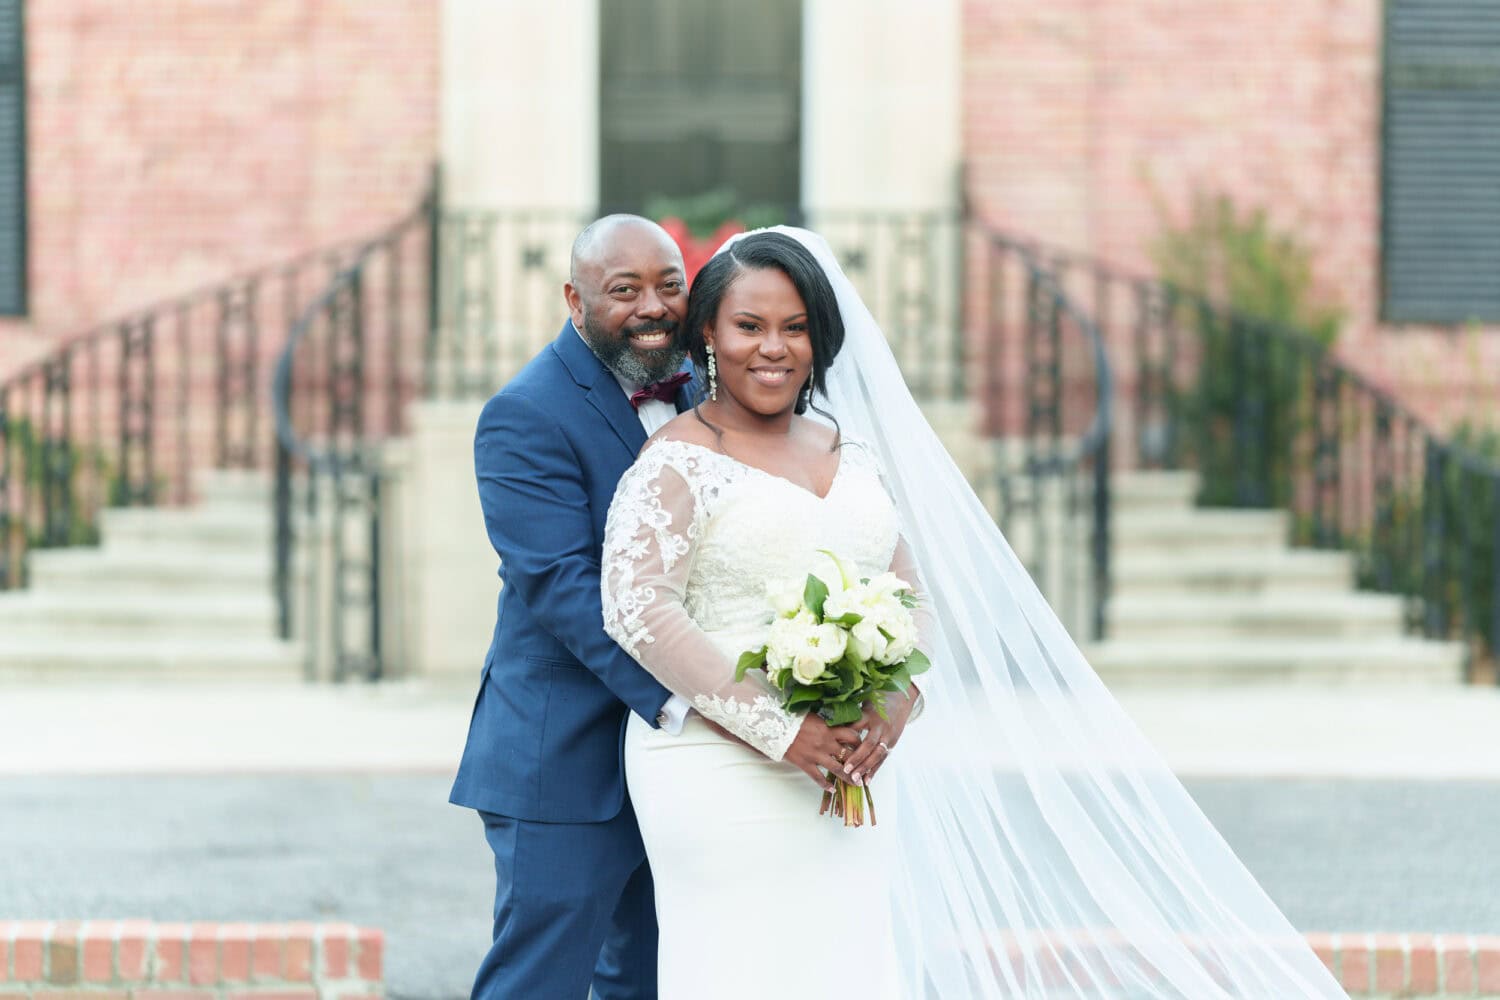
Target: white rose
888 585
903 641
804 646
785 639
841 602
866 641
786 596
822 645
808 668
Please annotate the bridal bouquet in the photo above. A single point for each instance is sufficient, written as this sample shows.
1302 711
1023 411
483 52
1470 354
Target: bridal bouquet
834 645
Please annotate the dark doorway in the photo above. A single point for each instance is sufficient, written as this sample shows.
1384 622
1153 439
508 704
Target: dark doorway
699 96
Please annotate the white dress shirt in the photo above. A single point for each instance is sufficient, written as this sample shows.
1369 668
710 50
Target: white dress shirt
654 414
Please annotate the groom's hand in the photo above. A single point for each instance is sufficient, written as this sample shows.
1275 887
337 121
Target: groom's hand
881 736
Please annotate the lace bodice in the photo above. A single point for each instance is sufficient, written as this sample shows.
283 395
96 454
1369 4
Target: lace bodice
693 539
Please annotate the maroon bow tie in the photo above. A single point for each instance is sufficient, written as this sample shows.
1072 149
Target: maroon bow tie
665 390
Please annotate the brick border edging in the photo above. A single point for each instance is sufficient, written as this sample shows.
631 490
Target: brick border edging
307 961
1412 965
198 961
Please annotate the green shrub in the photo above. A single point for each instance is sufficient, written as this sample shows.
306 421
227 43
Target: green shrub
72 467
1247 296
1394 560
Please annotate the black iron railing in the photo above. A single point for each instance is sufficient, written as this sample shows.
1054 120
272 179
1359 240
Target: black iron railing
1041 374
123 415
1269 417
353 359
909 269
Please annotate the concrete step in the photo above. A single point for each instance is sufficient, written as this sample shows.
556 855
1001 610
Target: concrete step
165 572
1231 570
99 613
221 526
1272 615
1131 491
233 486
1278 661
1177 530
78 656
245 490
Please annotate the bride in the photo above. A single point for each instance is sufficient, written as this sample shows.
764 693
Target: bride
1030 844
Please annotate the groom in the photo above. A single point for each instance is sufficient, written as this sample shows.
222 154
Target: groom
574 905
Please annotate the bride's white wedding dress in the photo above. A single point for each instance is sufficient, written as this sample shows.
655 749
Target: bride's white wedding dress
739 853
1031 843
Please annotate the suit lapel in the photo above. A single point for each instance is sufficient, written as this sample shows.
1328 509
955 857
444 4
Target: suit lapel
607 397
601 389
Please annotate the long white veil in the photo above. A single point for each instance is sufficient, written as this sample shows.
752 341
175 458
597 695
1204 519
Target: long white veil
1046 849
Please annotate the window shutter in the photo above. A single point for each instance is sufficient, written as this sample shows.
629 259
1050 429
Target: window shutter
1442 161
12 161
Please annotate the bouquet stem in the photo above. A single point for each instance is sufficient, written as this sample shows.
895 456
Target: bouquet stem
848 802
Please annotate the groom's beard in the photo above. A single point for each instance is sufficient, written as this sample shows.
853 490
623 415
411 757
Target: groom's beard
631 364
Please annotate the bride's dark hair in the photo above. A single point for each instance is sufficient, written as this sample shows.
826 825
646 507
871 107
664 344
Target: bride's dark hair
757 252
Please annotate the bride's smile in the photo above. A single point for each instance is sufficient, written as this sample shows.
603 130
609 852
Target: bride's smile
762 350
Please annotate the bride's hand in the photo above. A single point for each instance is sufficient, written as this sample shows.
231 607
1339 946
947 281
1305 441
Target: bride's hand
881 737
819 747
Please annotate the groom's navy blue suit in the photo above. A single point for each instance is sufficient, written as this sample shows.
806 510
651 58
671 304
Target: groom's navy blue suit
544 763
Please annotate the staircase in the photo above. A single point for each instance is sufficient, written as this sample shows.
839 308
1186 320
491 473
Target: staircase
180 593
1219 597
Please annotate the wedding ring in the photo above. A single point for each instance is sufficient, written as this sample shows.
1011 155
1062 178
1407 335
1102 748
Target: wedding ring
843 754
882 746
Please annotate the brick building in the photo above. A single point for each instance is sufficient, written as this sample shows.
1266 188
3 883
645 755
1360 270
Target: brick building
170 143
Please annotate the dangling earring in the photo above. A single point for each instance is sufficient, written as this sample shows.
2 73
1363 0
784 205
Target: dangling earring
713 375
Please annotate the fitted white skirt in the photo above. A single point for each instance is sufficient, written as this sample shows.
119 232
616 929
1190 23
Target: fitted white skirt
758 896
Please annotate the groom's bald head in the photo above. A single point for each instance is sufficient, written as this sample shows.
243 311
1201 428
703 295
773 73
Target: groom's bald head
602 236
626 295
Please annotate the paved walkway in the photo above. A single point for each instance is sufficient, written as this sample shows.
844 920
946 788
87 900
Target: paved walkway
1356 810
388 851
1419 733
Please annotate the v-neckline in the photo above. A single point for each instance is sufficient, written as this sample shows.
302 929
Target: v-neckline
832 483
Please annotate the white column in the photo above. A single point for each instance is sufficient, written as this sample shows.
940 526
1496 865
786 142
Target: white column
520 96
881 103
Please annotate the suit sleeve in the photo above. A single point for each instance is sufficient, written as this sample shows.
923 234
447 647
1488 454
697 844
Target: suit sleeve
536 511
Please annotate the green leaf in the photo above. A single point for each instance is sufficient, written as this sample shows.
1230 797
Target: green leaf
917 663
803 696
749 660
901 678
848 620
848 673
814 594
843 713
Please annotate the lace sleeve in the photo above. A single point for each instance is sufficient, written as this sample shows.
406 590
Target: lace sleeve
653 523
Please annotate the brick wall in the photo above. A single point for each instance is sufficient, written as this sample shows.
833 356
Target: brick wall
1085 122
1412 965
140 960
174 143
